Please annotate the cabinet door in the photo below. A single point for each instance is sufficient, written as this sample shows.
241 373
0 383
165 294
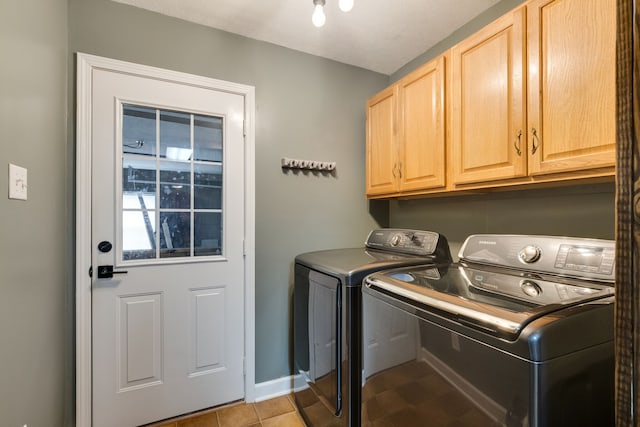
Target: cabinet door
488 102
422 128
382 164
572 86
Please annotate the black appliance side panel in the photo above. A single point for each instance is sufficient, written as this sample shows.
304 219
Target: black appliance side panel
301 319
576 389
353 374
320 318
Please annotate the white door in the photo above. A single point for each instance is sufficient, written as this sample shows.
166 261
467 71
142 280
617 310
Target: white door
167 202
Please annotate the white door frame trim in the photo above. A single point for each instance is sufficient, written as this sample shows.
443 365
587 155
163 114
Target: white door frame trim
85 66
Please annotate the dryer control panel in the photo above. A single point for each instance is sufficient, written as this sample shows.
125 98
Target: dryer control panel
413 242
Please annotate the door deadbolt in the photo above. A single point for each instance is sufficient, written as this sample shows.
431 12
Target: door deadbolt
105 246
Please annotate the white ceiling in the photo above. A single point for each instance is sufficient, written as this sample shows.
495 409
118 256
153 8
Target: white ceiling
379 35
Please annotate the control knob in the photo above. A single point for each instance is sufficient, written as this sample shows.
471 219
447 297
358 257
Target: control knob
529 254
530 288
395 240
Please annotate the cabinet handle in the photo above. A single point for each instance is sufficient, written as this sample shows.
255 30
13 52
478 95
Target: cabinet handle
393 171
400 170
516 143
534 135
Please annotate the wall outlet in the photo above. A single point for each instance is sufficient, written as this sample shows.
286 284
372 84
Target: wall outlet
17 182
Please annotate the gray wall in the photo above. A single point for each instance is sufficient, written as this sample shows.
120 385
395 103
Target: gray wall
582 211
307 108
36 377
457 36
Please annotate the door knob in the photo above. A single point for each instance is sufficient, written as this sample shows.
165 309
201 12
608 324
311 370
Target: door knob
107 272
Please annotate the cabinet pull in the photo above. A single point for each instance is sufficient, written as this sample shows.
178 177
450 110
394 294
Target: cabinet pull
393 171
516 143
534 146
400 170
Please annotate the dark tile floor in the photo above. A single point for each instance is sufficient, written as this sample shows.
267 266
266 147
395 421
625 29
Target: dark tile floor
414 395
409 395
277 412
398 397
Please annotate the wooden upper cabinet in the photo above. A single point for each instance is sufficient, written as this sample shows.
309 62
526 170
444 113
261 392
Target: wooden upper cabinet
488 102
422 127
406 133
530 99
381 151
571 101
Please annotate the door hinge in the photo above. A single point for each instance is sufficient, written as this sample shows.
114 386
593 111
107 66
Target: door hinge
244 248
244 367
244 127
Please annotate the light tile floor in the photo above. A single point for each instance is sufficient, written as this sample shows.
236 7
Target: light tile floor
277 412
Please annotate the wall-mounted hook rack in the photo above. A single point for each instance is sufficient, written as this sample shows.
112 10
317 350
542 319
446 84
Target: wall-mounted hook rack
288 163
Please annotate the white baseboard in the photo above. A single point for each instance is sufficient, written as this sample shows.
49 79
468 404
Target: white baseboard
278 387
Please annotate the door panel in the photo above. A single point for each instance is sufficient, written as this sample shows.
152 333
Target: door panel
206 330
140 340
168 193
382 149
488 102
422 146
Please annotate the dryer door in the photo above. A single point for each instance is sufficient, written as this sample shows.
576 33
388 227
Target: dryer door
318 334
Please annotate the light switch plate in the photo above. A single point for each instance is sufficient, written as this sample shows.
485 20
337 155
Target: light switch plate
17 182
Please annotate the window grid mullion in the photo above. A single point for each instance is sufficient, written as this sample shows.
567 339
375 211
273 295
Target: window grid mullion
157 212
193 187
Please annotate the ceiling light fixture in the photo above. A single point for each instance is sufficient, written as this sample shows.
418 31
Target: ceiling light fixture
345 5
318 18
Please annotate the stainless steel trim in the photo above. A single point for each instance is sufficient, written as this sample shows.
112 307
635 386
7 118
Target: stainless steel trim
439 302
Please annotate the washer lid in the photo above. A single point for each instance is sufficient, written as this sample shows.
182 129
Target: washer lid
353 264
384 249
495 301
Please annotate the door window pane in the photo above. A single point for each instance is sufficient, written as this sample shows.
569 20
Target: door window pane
207 189
138 235
175 234
139 176
139 130
175 185
207 138
175 135
207 233
171 201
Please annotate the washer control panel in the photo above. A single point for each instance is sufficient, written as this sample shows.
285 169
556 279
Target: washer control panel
569 256
592 259
414 242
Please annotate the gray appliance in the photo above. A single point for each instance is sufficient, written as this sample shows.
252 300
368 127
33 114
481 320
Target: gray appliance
327 321
519 333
